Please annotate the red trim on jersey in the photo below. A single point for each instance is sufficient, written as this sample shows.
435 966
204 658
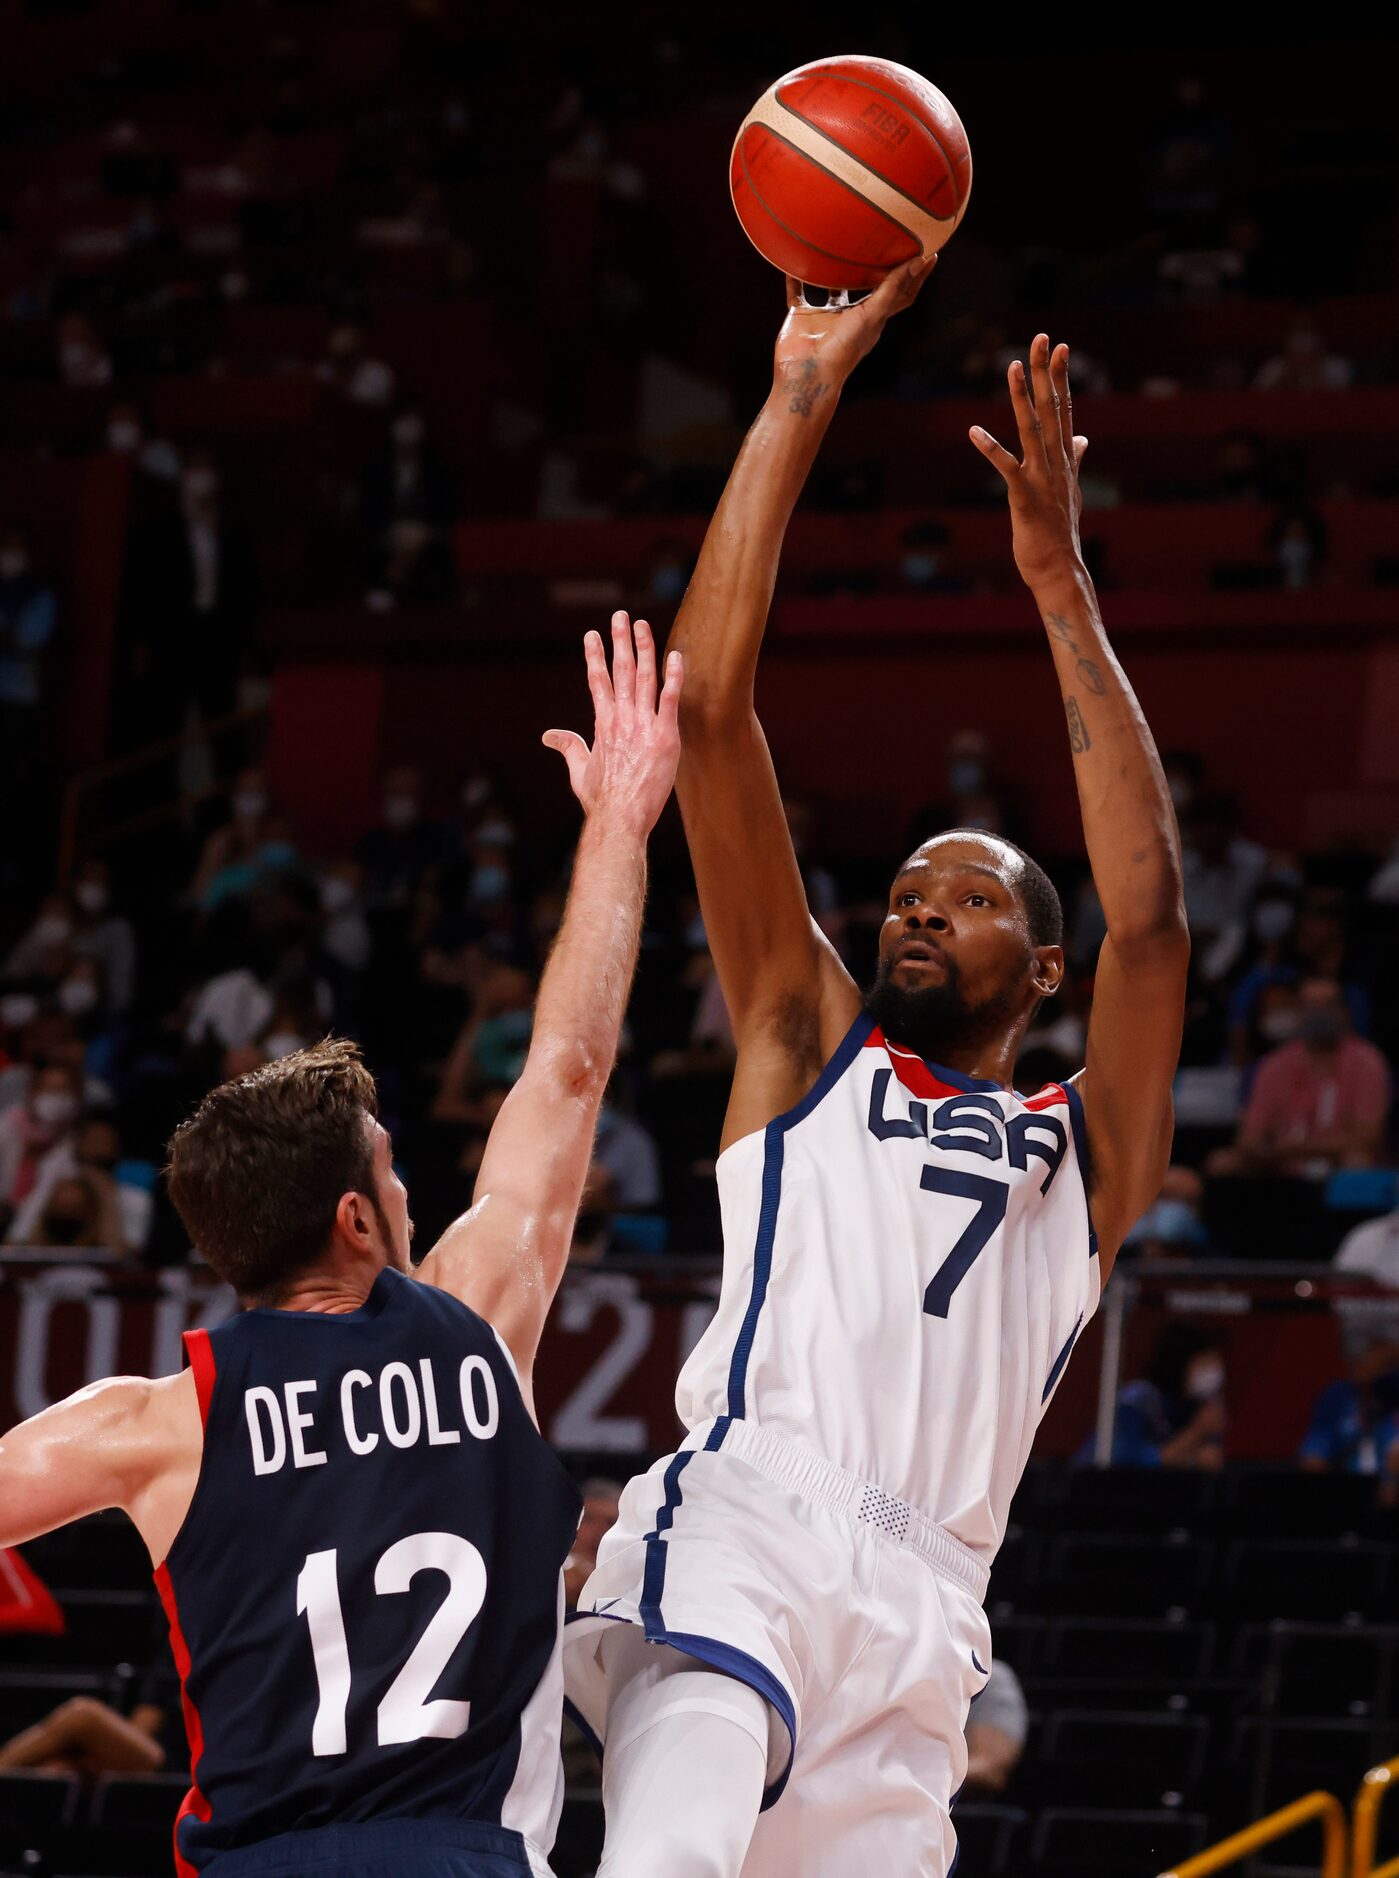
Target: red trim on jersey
911 1071
1051 1093
194 1804
201 1361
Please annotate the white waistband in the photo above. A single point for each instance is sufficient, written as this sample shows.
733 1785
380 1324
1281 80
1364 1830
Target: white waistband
801 1470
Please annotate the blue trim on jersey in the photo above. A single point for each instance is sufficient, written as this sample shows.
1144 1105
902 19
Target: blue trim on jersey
653 1580
845 1054
967 1084
1058 1371
1076 1122
576 1716
758 1677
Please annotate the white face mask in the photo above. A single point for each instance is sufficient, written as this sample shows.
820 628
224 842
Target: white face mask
1278 1027
336 894
13 563
1206 1379
54 929
77 996
54 1108
18 1009
91 896
400 811
250 805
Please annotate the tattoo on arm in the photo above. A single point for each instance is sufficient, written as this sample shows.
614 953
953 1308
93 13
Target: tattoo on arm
1060 629
806 388
1092 677
1079 739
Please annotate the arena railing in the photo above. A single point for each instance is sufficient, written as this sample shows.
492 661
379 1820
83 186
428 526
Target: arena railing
1280 1825
73 836
1374 1790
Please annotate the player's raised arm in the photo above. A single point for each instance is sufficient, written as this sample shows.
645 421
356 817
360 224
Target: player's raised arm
788 997
1128 821
505 1257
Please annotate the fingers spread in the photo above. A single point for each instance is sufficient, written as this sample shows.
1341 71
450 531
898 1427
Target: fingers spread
1046 398
1026 422
623 663
599 684
645 669
1059 378
994 452
667 714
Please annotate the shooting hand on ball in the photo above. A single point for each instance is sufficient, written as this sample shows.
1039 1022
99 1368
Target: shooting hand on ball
819 347
1045 499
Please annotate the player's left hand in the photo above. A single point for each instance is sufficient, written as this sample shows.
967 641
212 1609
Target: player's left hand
629 769
1045 499
825 344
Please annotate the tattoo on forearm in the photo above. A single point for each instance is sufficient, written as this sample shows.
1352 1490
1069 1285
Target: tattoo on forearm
1079 739
1060 629
806 388
1091 677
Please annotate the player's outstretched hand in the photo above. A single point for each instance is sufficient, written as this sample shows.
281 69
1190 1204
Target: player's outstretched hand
629 769
1045 501
819 347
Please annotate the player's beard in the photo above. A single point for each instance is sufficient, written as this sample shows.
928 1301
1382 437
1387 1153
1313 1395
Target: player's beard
935 1020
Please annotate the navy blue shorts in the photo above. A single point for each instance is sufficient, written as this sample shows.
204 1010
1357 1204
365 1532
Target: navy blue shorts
387 1848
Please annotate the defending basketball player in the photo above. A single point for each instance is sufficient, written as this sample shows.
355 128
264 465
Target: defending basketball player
911 1246
359 1533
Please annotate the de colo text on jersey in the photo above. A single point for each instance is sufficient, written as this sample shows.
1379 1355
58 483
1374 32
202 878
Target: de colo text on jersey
401 1404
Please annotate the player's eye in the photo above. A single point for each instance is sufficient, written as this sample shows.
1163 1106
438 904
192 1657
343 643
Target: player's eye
977 899
907 899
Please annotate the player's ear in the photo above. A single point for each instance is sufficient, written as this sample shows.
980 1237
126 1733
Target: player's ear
356 1222
1047 973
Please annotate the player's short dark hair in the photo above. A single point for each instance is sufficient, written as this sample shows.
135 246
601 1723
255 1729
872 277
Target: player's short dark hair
1044 910
258 1170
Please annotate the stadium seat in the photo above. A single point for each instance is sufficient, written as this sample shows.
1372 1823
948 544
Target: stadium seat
1342 1670
1286 1503
1073 1842
1135 1499
1016 1571
1018 1640
26 1696
1105 1576
1154 1761
990 1840
1128 1649
1306 1578
32 1802
123 1801
102 1628
1268 1763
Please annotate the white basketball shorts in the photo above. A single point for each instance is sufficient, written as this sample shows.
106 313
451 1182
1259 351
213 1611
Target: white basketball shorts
857 1617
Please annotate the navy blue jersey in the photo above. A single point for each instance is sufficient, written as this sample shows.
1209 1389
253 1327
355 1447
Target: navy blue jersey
365 1598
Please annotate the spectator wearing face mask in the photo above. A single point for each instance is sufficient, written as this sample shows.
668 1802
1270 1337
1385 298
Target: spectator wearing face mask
28 620
1174 1415
42 956
1299 543
973 798
1305 363
1171 1227
350 369
84 363
399 852
37 1135
490 1048
254 839
100 933
345 933
1319 1102
155 460
80 1211
1222 870
1355 1422
127 1190
407 503
923 560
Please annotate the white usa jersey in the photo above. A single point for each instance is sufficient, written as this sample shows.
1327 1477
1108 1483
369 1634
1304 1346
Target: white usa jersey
909 1260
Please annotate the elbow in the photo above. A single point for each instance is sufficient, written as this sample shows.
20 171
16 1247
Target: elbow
1158 936
712 711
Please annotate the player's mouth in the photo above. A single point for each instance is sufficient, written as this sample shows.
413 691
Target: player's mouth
919 952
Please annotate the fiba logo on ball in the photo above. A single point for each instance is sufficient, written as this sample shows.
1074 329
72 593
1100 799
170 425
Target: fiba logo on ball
848 168
882 123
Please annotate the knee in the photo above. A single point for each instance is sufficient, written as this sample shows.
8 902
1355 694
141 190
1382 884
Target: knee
79 1711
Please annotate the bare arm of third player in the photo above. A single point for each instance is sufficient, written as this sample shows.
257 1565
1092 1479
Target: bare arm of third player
790 999
1129 823
506 1255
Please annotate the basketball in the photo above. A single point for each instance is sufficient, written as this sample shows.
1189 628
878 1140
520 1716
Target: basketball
848 167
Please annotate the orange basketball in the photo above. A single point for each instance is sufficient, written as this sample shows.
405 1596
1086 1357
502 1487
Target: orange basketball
848 167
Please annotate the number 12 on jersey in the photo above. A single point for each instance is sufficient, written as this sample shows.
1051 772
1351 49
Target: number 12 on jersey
990 1197
405 1713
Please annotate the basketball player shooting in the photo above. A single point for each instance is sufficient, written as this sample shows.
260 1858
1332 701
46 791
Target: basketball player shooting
359 1532
911 1247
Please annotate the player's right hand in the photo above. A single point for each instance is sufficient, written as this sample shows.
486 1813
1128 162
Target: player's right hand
824 345
629 769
